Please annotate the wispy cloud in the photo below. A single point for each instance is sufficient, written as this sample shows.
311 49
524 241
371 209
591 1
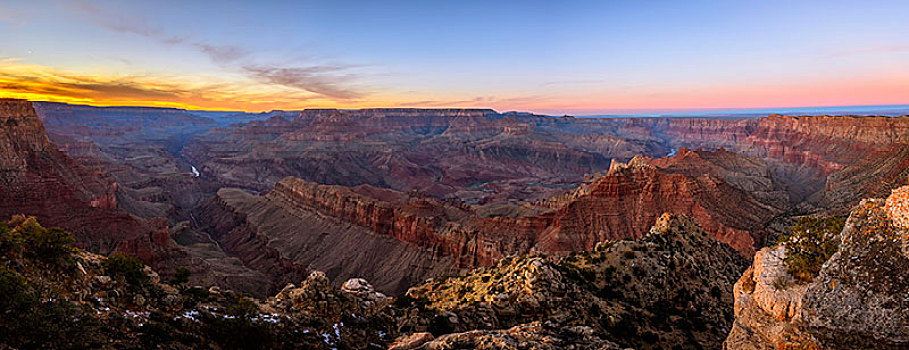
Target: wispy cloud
15 18
322 80
43 83
332 81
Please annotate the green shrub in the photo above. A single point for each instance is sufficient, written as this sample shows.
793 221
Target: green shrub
127 268
10 241
53 245
13 290
32 319
237 329
809 244
242 307
194 295
181 275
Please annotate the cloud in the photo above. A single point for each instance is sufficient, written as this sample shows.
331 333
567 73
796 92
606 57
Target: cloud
112 19
322 80
222 53
330 81
47 84
15 17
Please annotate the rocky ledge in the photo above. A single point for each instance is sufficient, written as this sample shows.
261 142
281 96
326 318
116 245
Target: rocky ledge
860 296
671 288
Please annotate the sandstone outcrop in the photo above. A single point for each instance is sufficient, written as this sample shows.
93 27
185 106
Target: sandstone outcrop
625 292
859 297
529 336
622 203
830 161
38 179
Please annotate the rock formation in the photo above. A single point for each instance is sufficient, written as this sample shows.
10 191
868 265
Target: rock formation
472 155
284 239
37 179
621 204
90 301
831 161
669 289
338 229
859 298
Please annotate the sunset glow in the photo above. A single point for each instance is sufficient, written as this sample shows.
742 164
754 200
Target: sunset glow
578 58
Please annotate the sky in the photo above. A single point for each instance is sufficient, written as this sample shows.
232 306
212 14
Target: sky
554 57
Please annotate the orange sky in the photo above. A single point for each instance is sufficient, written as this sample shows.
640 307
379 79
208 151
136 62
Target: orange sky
40 83
546 57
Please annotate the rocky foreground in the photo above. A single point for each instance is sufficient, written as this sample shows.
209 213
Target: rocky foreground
858 300
671 287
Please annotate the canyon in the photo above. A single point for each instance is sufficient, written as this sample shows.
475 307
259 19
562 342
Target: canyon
262 199
429 206
40 180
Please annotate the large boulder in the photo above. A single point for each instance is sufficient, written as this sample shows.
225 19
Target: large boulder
859 297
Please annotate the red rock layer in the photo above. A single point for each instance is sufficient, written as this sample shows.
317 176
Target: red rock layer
472 155
38 179
622 204
843 158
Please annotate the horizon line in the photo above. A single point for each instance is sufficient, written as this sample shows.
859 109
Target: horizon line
606 112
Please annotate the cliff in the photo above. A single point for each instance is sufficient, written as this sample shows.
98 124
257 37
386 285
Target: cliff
38 179
477 156
622 203
624 291
65 298
282 240
830 161
340 229
858 298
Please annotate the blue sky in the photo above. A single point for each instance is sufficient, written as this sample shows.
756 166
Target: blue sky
553 57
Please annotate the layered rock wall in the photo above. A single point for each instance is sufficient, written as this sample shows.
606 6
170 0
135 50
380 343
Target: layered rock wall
37 179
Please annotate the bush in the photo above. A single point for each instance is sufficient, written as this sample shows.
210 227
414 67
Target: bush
53 245
127 268
10 241
809 244
41 320
242 307
238 330
181 275
194 295
13 290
